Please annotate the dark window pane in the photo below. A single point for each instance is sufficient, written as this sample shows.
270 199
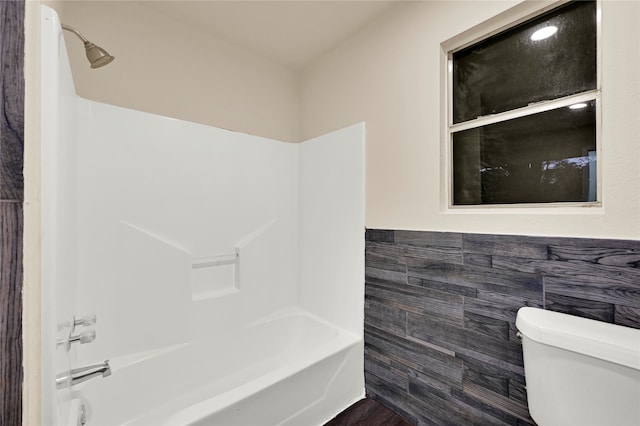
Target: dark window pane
511 70
541 158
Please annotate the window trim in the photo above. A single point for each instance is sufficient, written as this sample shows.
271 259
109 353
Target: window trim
508 19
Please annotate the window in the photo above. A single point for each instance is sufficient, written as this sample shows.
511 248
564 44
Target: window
523 107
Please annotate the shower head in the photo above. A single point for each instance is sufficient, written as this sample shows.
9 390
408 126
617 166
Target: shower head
96 55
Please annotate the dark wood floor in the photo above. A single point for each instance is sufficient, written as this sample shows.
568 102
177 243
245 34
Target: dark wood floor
368 412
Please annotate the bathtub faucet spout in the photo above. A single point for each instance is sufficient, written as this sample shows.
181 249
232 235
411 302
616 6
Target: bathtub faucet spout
79 375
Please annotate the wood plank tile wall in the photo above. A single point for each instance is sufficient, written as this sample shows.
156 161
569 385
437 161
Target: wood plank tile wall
440 309
11 199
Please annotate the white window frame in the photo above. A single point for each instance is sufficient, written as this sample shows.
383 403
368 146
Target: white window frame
516 15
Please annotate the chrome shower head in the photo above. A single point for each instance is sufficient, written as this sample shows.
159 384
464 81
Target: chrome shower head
96 55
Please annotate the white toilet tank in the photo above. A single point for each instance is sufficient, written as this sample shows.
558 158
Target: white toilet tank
579 371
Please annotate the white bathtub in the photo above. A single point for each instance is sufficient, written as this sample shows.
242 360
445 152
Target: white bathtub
285 369
202 252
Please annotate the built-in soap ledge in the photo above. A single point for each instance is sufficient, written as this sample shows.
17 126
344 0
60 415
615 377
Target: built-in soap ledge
214 276
211 261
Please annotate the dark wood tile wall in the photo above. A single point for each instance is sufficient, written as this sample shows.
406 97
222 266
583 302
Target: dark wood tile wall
11 198
440 310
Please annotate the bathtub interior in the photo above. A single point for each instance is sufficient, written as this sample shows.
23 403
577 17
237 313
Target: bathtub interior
194 383
183 238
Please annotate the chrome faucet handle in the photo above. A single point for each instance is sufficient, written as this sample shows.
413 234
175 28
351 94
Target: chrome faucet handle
84 337
87 336
85 321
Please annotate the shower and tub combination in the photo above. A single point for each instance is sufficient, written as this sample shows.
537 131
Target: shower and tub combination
194 275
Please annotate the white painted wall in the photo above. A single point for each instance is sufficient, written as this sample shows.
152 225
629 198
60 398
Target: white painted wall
389 75
31 294
166 67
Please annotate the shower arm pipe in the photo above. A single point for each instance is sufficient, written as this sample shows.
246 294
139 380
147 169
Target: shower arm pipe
76 32
96 55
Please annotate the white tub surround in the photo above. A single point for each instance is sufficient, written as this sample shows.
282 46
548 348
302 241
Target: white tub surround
184 240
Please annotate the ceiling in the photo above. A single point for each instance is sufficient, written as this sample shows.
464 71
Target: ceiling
292 33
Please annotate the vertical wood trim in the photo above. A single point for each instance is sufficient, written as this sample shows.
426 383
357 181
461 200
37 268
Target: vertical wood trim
10 314
12 97
12 13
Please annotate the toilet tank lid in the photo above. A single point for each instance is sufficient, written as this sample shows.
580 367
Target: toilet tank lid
609 342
